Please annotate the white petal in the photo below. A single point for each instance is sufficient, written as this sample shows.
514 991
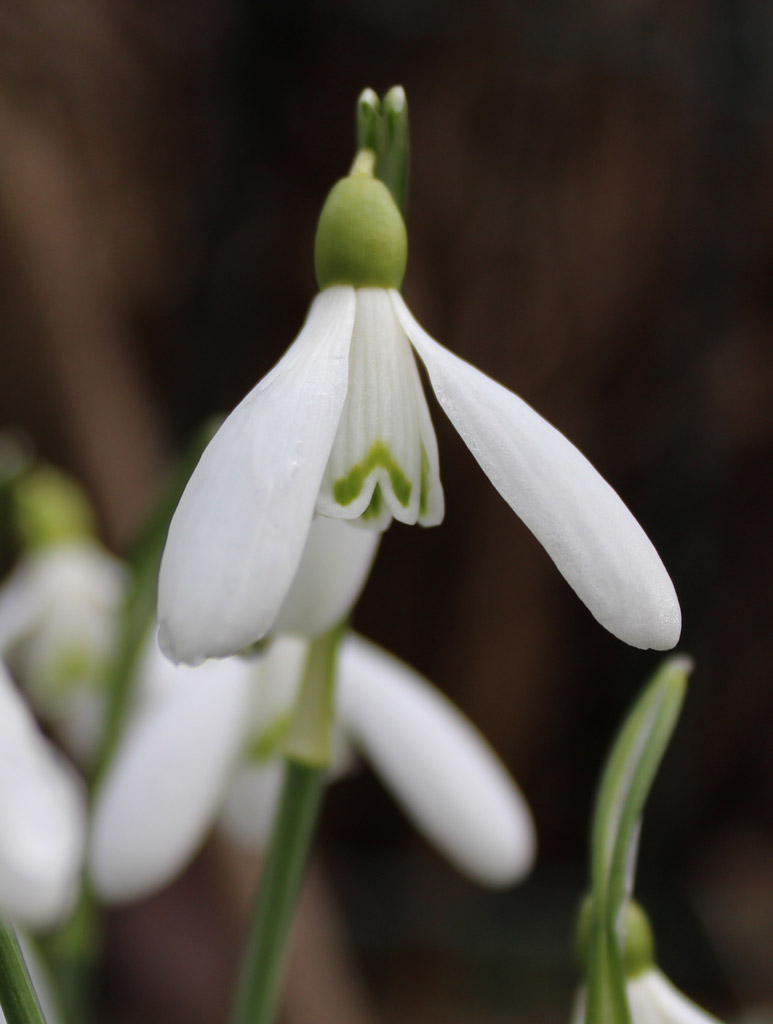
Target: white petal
336 562
168 779
654 1000
42 819
63 602
236 539
21 607
437 764
277 673
384 461
595 542
251 802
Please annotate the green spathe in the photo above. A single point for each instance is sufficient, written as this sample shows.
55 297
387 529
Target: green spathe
361 238
638 945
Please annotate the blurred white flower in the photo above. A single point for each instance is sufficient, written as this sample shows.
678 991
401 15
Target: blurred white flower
208 741
653 999
58 620
42 819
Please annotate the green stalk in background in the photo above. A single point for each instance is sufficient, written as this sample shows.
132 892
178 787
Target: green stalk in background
17 996
307 755
626 781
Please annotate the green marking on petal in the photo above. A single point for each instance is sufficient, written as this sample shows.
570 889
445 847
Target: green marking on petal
373 511
424 491
74 666
269 743
348 487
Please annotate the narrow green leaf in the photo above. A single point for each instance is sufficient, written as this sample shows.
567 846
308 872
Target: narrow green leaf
382 126
630 770
17 996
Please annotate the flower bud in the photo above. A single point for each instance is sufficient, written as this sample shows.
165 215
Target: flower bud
50 508
361 238
638 945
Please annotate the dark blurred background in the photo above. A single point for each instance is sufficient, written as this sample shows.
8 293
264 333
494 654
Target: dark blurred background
591 223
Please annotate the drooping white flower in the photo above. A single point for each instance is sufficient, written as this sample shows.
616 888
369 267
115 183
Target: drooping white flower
209 741
340 427
58 619
42 819
653 999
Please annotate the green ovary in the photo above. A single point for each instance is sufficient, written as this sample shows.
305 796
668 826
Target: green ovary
348 487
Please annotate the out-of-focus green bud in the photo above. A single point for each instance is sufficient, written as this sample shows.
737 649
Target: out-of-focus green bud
50 508
638 944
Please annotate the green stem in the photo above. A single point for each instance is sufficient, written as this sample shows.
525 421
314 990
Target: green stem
17 996
71 954
282 873
625 784
307 756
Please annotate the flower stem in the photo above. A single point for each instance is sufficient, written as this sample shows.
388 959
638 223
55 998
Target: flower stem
307 756
17 996
628 775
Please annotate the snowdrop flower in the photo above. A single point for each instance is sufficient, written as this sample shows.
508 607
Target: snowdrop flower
58 620
652 998
209 740
42 819
340 428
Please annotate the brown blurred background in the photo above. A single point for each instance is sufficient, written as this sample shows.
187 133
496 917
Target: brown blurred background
591 223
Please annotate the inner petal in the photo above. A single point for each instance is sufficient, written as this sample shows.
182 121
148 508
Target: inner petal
384 459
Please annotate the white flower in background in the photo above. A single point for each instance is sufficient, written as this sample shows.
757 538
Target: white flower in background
42 819
340 427
208 742
653 999
59 614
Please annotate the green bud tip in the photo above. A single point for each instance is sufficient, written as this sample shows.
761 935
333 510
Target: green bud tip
361 238
638 942
50 508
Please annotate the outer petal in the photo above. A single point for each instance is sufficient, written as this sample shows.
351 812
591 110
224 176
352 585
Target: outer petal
236 539
437 764
336 562
654 1000
42 819
168 779
595 542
